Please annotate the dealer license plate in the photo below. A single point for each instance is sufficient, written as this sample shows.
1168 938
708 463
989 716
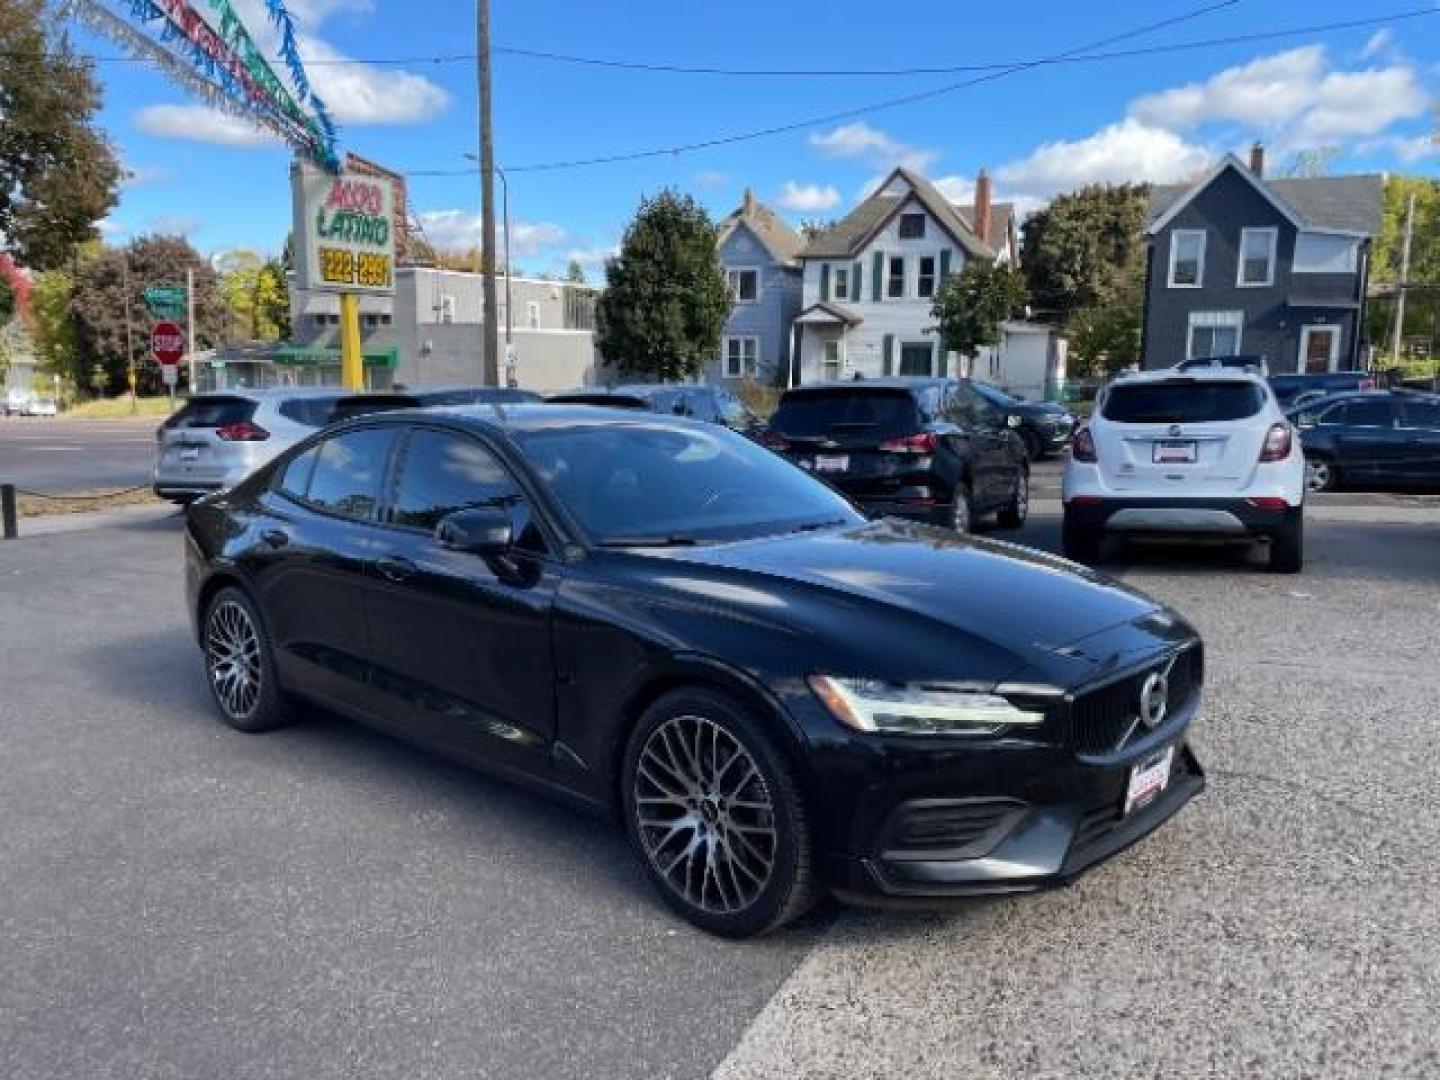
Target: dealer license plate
832 462
1173 452
1148 779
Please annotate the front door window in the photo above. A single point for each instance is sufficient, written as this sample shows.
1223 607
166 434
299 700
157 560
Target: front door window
1319 349
915 359
831 366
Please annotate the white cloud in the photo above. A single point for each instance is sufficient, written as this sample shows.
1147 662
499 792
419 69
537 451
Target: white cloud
1294 97
200 123
173 225
958 189
1408 148
807 198
314 12
860 141
1381 43
711 179
460 229
1125 152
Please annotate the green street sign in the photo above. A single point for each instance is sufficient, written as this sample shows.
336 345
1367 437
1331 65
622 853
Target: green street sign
165 301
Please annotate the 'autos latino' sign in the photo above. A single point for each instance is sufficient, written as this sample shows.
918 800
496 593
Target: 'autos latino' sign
346 222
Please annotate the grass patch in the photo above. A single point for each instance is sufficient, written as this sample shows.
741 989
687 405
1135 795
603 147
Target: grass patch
119 408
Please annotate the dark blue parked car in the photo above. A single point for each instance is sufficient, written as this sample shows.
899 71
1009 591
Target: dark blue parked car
1292 391
1377 438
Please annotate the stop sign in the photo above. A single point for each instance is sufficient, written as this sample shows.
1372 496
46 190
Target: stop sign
167 342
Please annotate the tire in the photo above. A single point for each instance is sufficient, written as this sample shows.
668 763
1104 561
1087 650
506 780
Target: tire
1287 547
1034 451
962 509
1321 474
1013 514
240 665
702 836
1081 543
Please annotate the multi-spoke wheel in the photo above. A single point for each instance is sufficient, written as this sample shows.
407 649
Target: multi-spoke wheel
1014 513
713 807
238 665
960 513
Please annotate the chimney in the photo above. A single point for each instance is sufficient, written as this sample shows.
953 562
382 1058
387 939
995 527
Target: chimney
982 207
749 206
1257 160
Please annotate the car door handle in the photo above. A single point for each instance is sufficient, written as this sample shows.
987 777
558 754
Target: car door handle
395 568
275 538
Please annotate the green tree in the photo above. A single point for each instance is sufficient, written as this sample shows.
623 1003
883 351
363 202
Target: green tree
272 302
53 326
574 272
1081 251
665 302
100 300
970 306
237 287
58 174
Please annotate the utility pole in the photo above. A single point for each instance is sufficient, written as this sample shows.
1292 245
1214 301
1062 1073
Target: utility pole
1403 283
189 326
490 330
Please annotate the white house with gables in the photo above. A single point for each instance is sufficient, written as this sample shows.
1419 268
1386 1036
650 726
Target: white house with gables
869 281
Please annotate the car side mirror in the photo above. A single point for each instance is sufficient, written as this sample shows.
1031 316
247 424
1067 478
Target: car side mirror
1012 420
482 530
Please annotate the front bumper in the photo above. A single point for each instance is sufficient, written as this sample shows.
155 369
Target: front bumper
1217 517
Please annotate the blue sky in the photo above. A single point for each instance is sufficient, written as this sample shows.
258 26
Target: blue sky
1367 93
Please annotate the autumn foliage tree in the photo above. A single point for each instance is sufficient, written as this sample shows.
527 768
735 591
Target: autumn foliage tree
58 174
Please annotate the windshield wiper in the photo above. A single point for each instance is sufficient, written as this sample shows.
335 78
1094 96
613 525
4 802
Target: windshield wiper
647 541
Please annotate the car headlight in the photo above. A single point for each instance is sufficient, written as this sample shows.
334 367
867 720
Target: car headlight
871 706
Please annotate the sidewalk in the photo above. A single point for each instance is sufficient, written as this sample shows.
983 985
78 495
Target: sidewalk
55 524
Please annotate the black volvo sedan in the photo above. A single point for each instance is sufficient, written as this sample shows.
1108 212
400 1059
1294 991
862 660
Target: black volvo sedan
658 618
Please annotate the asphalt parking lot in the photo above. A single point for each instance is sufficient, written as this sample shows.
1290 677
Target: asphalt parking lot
183 901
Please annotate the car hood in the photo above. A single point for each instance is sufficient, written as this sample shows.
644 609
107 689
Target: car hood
915 597
1038 409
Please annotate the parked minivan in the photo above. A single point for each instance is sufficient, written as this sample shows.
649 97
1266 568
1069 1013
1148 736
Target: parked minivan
931 450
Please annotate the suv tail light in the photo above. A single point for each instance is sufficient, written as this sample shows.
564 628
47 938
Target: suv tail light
243 431
1278 442
773 441
923 443
1082 445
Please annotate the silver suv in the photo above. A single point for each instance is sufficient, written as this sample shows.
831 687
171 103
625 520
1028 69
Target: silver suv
218 439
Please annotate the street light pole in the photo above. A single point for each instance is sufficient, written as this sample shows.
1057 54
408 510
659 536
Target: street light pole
509 270
490 330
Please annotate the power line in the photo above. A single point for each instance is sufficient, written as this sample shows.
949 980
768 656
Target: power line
700 69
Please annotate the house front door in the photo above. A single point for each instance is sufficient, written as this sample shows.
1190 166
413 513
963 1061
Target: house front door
1319 349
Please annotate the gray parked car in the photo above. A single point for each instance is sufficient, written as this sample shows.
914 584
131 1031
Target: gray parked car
218 439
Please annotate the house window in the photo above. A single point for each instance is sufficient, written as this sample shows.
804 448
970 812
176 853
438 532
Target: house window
895 283
1187 258
1214 333
915 358
842 283
912 226
1257 257
744 285
532 314
830 367
742 356
925 279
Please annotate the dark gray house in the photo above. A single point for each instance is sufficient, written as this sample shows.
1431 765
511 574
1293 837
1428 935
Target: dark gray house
1242 265
759 253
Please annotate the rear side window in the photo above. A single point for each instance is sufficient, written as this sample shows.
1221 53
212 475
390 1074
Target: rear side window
1421 414
310 411
348 473
1369 414
443 473
294 478
1182 402
213 412
881 412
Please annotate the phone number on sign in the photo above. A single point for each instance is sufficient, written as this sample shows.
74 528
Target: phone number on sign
347 268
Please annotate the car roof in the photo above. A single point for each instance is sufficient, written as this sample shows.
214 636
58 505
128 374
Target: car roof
893 382
538 416
279 393
1371 395
1203 374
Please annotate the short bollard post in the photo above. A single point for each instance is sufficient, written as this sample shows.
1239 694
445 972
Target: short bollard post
7 511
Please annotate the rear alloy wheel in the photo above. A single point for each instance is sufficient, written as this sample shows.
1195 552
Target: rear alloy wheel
238 665
1320 474
715 812
960 510
1014 513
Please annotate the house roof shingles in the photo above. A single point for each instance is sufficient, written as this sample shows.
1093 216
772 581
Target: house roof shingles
1340 203
847 237
783 242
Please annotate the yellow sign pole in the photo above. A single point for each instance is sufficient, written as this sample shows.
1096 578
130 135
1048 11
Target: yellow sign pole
352 367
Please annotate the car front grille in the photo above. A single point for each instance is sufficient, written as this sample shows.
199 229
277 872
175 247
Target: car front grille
1103 720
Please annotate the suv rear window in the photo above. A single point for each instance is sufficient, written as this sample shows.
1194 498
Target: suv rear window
875 411
1182 402
310 411
213 412
347 408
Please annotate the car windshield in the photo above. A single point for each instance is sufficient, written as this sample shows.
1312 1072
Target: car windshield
994 395
610 401
880 411
1182 402
642 484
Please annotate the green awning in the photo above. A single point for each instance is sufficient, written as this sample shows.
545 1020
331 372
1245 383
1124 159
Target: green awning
312 356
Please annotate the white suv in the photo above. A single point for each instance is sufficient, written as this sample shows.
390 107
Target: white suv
1203 453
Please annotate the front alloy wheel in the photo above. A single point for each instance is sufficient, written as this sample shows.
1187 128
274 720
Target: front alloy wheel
238 665
715 812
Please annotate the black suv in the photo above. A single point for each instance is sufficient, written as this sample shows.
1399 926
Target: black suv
928 449
712 404
1044 427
